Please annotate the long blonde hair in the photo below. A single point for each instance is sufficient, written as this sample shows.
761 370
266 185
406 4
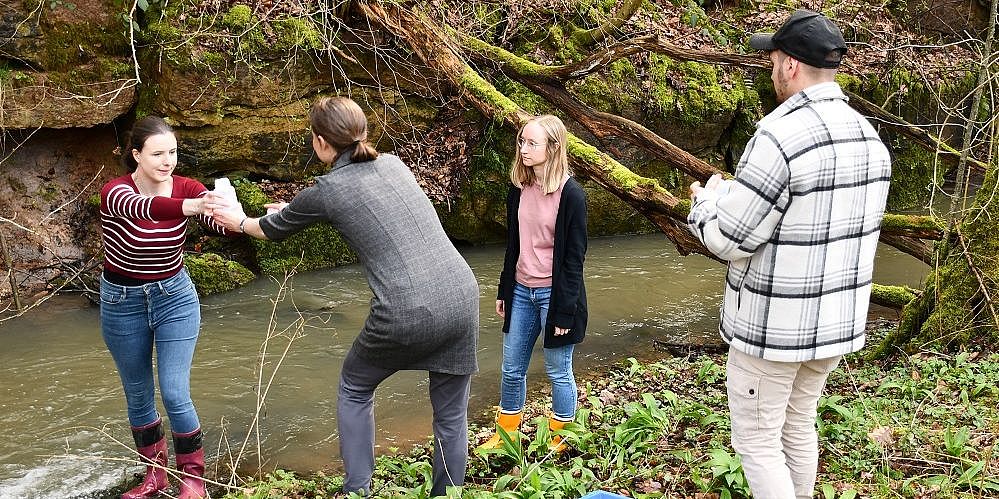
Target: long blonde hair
556 158
342 123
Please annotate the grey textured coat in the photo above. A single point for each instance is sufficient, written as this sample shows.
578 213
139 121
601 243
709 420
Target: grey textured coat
425 310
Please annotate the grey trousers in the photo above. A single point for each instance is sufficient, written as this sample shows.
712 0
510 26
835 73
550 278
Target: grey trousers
356 422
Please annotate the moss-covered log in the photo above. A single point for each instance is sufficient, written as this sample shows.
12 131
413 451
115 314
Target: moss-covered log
893 296
655 44
542 81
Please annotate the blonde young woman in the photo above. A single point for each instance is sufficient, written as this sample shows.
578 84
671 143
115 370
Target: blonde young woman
541 287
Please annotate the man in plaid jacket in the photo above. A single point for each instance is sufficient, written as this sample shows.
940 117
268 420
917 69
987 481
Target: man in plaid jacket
799 226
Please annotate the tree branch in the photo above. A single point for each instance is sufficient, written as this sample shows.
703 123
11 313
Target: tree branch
589 37
645 195
921 137
910 246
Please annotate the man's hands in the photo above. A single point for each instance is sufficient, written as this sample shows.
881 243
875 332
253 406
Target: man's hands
712 184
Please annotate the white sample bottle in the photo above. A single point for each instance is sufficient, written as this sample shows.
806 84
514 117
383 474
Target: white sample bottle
225 189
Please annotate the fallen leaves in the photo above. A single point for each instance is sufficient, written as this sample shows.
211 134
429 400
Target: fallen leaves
883 436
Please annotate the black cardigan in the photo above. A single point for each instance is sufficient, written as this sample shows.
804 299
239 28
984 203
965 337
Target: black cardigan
567 306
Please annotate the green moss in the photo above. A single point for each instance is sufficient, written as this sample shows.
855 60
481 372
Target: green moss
897 296
319 246
617 172
522 96
563 46
892 221
213 59
478 214
520 64
213 274
907 94
238 18
913 174
48 192
484 90
949 322
618 91
295 33
147 97
251 197
953 310
70 45
692 91
849 82
161 32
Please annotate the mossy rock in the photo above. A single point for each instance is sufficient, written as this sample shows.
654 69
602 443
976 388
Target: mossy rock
607 215
478 214
213 274
913 173
693 105
319 246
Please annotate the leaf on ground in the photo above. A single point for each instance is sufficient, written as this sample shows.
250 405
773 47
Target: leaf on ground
883 435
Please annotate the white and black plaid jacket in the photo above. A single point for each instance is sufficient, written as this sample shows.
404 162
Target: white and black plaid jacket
799 226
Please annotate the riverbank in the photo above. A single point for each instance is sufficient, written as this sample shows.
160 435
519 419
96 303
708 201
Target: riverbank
919 426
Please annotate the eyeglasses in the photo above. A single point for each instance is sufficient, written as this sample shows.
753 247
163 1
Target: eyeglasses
529 145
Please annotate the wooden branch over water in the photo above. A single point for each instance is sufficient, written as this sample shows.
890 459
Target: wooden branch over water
893 296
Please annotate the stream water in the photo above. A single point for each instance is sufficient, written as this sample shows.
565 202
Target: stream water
61 405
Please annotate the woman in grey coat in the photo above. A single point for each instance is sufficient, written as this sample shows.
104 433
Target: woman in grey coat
425 310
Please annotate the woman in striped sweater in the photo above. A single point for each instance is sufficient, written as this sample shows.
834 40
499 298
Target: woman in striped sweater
148 299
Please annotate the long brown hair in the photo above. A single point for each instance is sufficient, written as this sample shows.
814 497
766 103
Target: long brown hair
342 124
136 138
556 158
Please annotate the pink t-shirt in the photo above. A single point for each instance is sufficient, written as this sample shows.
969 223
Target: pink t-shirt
536 220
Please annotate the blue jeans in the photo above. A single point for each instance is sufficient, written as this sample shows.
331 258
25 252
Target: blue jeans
133 318
529 311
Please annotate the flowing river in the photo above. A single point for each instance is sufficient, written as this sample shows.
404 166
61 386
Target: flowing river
62 409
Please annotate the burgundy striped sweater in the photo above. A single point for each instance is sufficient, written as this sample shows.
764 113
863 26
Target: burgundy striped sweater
144 235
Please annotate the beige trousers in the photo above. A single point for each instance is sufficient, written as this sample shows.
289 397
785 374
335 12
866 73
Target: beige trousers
773 422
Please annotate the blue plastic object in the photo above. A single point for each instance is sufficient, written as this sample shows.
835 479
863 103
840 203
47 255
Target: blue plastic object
601 494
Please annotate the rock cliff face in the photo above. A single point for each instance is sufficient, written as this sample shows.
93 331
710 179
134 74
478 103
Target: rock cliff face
236 79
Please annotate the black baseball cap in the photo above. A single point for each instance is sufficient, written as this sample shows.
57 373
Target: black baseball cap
807 36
